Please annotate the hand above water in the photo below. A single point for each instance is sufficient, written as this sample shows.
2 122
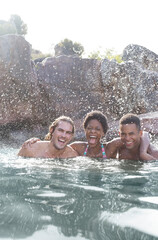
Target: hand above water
29 142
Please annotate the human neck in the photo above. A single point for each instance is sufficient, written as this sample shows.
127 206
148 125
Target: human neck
135 152
136 148
53 152
95 151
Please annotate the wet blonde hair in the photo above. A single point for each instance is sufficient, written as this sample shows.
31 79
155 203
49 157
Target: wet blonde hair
56 123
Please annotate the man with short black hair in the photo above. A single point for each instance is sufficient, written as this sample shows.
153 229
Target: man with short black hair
130 134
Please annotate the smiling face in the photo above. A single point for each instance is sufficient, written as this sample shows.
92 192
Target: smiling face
130 135
62 135
94 131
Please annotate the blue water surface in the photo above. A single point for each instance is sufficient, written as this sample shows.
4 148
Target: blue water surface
77 199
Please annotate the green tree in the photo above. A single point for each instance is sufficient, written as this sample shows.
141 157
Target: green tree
35 54
68 47
108 53
21 27
7 28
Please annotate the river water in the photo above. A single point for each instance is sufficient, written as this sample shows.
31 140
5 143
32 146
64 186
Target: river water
77 199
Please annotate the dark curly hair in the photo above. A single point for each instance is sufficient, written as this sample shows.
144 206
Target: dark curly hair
98 116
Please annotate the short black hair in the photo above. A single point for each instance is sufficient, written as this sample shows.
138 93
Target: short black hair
98 116
130 118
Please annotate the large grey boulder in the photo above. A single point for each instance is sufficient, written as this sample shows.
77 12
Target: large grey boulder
19 91
141 55
70 86
128 87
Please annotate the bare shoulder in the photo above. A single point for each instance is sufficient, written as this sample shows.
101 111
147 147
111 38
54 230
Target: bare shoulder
70 152
115 142
112 147
79 147
32 151
78 144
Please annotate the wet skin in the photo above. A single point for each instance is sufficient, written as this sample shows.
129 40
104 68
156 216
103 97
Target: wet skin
62 135
130 135
94 132
56 147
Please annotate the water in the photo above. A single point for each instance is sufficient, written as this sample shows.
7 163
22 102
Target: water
77 199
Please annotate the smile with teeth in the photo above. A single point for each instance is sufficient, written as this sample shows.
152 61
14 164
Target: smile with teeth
129 143
92 139
61 140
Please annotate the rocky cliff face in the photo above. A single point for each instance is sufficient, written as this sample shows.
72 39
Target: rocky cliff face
128 87
19 91
34 94
70 86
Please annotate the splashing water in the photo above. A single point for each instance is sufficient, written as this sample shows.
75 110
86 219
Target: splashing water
77 199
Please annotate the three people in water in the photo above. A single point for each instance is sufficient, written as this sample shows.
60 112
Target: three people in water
131 144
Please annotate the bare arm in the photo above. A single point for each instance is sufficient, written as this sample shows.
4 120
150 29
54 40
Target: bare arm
26 148
153 151
25 152
112 147
71 152
147 151
38 150
79 147
29 142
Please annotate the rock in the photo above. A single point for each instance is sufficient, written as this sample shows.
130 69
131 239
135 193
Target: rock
141 55
35 93
150 122
128 88
18 81
70 86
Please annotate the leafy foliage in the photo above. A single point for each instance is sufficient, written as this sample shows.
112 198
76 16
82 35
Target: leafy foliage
21 27
67 47
108 53
14 26
7 28
35 54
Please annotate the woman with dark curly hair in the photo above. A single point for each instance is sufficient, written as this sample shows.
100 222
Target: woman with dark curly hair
95 127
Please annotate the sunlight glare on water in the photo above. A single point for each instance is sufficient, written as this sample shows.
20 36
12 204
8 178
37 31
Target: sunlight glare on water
144 220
